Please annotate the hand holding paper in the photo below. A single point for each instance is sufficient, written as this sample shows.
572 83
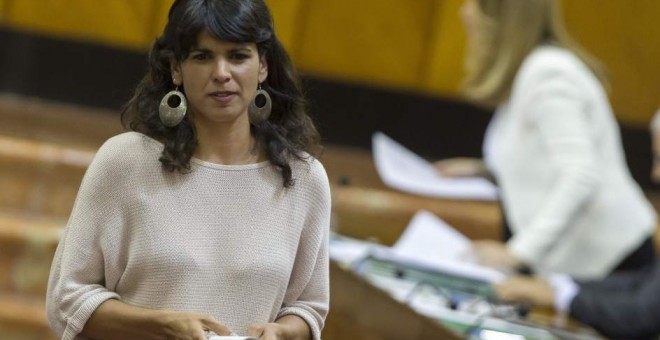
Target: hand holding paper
495 254
461 167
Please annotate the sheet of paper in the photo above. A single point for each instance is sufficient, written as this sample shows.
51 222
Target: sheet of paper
431 242
347 250
429 237
403 170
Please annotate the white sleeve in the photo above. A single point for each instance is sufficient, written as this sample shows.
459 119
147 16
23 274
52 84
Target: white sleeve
558 112
565 290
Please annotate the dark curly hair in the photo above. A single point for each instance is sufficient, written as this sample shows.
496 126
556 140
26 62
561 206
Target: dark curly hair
289 132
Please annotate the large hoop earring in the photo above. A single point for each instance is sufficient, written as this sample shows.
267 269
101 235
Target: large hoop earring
172 116
258 114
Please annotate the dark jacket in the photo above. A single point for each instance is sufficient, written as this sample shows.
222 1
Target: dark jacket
625 305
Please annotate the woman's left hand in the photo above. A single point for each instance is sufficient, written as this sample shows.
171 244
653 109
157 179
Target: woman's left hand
288 327
266 331
495 254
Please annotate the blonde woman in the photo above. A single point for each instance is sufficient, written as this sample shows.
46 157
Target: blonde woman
553 146
625 305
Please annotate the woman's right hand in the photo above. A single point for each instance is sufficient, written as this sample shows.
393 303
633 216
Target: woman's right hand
461 167
114 319
190 326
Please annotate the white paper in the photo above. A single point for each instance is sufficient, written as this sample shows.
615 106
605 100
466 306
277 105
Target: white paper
348 251
401 169
430 242
428 237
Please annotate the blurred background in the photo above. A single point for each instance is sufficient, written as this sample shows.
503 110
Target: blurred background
370 64
67 66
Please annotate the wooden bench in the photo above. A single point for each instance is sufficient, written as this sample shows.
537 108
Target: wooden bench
24 318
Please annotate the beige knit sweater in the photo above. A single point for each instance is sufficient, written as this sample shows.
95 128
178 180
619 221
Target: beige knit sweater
229 241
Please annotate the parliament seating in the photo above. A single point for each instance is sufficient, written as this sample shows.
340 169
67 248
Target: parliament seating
45 149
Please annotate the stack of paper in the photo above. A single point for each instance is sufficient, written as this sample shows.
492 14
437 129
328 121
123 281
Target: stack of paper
403 170
428 242
431 242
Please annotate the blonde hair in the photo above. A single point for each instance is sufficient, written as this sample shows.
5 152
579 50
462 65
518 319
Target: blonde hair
504 34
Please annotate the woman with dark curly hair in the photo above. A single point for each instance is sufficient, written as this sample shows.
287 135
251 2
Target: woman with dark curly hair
212 214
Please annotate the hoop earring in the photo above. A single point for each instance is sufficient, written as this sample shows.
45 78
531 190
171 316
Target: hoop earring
258 114
172 116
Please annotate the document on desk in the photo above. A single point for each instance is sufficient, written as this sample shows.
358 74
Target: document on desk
401 169
346 250
431 242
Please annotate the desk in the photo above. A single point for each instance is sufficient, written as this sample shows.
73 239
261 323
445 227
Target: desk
364 208
359 310
382 214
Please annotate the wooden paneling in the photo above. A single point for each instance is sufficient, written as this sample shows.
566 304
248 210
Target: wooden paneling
124 23
372 41
399 44
625 36
3 10
162 8
287 15
383 215
444 71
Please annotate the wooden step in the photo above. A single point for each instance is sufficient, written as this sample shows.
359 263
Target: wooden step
23 318
63 124
21 149
38 177
28 244
348 166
